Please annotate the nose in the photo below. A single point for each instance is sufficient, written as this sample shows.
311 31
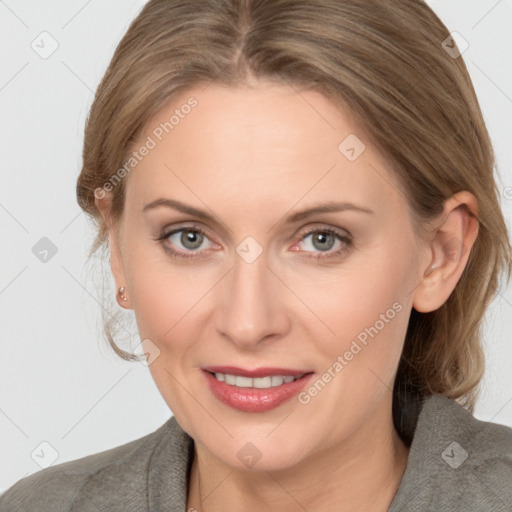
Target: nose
250 305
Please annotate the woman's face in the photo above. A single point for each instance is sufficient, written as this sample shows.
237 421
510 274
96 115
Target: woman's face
252 282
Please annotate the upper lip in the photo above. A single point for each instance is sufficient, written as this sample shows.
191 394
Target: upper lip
255 372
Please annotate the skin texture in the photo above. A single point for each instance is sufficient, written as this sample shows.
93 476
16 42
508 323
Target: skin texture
250 156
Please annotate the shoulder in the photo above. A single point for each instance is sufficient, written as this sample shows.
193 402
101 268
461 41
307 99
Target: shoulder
484 442
58 487
457 462
478 459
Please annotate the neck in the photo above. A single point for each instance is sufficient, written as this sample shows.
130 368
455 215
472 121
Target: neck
362 473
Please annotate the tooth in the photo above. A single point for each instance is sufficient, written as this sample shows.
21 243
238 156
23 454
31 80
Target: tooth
277 380
259 382
230 379
243 382
262 382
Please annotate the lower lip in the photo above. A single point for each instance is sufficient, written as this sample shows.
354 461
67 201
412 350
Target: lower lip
255 399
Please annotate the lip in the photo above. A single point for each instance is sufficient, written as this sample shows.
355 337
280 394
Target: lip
255 399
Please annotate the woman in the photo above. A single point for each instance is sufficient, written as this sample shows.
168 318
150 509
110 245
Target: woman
299 202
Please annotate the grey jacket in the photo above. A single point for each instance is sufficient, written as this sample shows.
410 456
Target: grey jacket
456 463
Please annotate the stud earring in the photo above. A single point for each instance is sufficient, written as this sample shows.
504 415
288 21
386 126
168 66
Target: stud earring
121 292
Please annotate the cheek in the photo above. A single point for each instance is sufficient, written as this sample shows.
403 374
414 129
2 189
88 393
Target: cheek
157 308
367 308
161 291
365 294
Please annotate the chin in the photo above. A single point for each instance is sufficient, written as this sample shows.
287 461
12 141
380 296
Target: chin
256 453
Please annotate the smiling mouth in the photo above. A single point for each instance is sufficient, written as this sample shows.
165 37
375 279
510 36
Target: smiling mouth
255 391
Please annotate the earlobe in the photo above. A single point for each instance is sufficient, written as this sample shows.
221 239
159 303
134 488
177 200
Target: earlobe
451 245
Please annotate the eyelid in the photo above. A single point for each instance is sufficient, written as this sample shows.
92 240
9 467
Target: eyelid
168 231
323 226
344 236
192 226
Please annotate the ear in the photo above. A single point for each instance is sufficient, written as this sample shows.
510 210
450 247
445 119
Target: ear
104 205
451 243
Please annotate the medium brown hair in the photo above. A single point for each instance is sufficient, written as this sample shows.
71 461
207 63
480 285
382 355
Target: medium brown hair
385 61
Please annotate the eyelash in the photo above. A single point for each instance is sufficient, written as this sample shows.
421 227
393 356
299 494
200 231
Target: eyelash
347 242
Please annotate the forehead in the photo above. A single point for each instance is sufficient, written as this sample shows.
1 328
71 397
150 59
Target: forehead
273 144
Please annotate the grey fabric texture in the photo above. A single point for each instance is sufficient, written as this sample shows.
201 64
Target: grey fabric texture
456 463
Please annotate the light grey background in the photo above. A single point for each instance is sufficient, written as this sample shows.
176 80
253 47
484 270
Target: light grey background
60 384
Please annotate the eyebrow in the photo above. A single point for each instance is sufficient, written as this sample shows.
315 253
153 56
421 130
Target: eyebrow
329 207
